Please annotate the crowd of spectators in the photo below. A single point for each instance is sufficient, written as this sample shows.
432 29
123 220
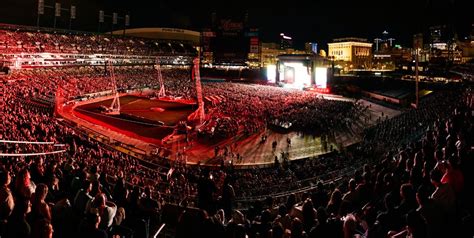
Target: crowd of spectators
80 82
410 122
247 107
421 189
31 41
415 188
52 183
256 107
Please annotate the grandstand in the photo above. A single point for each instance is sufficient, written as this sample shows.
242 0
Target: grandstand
26 47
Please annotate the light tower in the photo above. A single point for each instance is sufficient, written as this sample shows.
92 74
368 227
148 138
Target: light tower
377 41
391 40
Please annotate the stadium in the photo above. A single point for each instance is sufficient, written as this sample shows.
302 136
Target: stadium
132 133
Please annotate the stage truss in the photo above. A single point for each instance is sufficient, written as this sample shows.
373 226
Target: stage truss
161 92
199 114
114 108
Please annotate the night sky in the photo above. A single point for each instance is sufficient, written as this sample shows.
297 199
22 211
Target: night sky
304 20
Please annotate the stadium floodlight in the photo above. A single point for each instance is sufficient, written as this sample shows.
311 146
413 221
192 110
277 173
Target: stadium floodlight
101 16
40 7
127 20
73 12
114 18
57 9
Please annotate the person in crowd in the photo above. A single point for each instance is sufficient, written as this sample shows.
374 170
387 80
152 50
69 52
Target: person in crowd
42 229
334 203
104 208
432 213
7 202
443 194
90 227
408 199
18 225
24 187
40 210
82 198
228 197
453 175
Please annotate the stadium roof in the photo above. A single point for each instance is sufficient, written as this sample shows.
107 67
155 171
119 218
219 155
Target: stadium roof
159 33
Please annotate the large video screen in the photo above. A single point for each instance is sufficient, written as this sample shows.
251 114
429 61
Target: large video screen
271 73
321 77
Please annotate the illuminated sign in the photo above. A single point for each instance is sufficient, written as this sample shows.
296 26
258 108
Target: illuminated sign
319 90
229 25
172 30
209 34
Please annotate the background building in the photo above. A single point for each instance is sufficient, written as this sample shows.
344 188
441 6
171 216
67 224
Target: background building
311 47
384 43
388 55
392 59
351 53
269 53
254 55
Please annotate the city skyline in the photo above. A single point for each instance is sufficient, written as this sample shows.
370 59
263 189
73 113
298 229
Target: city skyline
304 20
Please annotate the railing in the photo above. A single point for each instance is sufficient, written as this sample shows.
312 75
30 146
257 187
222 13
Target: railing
159 230
280 197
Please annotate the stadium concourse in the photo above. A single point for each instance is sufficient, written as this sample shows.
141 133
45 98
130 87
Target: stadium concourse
406 173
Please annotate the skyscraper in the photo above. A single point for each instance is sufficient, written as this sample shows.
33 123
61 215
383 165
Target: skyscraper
311 47
286 42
